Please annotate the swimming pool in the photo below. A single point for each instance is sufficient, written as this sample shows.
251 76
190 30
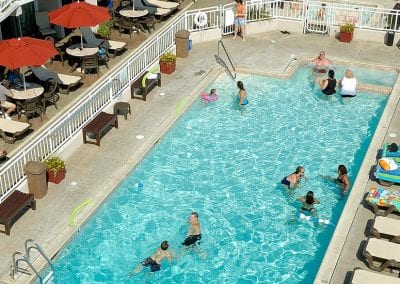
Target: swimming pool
227 166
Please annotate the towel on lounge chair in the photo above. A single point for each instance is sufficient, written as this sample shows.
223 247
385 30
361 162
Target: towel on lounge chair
391 176
387 153
383 197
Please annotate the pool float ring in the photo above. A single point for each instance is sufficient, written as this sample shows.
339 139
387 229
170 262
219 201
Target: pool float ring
200 19
317 220
207 98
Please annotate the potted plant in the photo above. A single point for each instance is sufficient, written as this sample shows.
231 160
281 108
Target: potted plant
55 169
346 32
104 29
167 63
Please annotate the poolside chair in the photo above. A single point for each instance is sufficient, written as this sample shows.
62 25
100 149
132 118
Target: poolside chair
361 276
153 10
109 45
380 198
386 153
11 129
386 252
387 177
384 226
161 4
42 21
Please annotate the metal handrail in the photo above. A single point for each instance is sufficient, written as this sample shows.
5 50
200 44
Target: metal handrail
222 62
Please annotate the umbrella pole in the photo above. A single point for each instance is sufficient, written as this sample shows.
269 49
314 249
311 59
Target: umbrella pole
81 41
23 78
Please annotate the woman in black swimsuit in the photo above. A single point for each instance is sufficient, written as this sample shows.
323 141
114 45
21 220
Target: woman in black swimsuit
328 86
343 179
308 202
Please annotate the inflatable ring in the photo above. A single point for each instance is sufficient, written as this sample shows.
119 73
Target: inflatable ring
200 19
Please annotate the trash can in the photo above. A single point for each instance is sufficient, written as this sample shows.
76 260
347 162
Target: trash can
389 38
182 43
36 176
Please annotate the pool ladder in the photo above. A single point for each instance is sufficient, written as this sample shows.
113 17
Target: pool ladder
220 61
19 257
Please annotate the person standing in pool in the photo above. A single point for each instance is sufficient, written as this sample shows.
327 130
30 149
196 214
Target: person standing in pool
194 231
307 203
292 180
242 95
343 179
154 261
328 85
321 63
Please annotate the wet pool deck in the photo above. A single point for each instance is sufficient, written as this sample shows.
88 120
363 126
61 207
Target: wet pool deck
92 172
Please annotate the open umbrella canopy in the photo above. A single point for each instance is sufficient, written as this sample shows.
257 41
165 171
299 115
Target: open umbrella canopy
24 51
79 14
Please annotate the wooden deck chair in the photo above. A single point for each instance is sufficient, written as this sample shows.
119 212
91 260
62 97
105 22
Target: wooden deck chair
10 129
110 45
361 276
385 226
65 82
161 4
386 252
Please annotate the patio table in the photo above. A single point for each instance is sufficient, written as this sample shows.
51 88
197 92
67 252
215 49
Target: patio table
130 13
33 90
76 50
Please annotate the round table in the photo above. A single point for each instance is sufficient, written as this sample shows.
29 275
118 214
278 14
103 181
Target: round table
33 90
130 13
77 51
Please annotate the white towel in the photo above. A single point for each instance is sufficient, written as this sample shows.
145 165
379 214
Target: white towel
229 17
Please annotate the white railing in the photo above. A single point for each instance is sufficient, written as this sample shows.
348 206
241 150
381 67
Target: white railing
62 130
4 4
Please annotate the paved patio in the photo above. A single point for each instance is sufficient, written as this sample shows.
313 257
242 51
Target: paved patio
120 149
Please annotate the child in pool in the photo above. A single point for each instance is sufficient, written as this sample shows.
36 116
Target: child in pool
307 203
211 97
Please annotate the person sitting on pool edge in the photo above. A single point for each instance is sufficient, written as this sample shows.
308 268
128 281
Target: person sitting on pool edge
194 231
328 85
321 63
294 178
348 85
155 260
308 202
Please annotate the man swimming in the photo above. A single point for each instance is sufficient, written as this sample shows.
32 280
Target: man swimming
194 232
154 261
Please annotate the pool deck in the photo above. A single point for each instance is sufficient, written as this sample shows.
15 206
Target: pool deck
92 171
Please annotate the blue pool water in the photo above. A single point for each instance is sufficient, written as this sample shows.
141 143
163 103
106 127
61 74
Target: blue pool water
378 77
227 166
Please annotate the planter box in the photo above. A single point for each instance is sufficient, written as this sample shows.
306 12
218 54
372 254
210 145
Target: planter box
55 177
345 37
167 67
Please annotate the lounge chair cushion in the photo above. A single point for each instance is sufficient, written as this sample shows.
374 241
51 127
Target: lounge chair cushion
364 276
387 226
382 197
12 126
116 45
388 164
43 74
162 4
383 249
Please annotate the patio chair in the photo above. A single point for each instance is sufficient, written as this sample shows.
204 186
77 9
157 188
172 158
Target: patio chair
387 253
161 4
30 107
153 10
361 276
11 129
65 82
89 63
385 176
50 95
42 21
387 153
384 226
125 25
148 23
109 45
379 198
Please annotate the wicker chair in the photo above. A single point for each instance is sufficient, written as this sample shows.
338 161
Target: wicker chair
90 62
30 107
148 23
50 95
125 25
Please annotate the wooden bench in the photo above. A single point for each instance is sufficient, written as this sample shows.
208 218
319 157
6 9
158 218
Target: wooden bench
149 85
12 207
100 123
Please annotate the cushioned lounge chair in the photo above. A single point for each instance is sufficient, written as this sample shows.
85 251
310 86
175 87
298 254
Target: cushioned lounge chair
386 153
384 226
361 276
387 178
65 82
387 253
157 11
380 198
10 129
110 45
161 4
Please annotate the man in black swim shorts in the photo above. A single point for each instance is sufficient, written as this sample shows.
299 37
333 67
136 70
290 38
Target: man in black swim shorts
194 232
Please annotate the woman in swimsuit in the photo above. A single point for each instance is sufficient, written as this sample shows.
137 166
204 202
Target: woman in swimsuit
328 86
308 202
294 178
343 179
242 95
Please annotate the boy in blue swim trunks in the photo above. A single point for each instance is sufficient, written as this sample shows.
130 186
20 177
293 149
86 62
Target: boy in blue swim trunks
154 261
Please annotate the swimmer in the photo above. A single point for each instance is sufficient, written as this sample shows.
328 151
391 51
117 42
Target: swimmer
328 85
194 231
348 85
292 180
321 63
308 202
211 97
242 95
154 261
343 179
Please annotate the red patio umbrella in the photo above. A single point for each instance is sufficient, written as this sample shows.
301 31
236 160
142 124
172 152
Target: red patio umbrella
24 51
